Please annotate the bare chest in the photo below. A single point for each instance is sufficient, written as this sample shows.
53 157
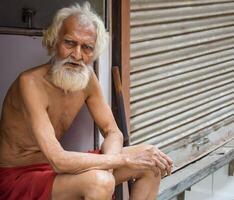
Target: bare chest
63 110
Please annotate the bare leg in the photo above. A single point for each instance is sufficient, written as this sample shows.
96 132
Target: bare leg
99 184
91 185
146 184
146 187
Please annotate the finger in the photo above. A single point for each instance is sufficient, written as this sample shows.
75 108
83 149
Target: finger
168 167
159 164
163 173
167 158
165 163
170 170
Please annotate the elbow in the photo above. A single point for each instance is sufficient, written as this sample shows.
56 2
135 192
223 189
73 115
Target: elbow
56 166
58 163
57 169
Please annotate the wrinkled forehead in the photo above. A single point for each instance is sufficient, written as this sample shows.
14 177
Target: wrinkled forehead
78 24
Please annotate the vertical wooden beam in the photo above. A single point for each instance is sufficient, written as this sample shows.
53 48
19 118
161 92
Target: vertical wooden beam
121 47
125 55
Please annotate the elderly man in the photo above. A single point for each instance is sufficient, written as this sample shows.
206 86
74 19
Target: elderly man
41 105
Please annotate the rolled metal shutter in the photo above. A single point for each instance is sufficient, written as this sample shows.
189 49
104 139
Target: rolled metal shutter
182 72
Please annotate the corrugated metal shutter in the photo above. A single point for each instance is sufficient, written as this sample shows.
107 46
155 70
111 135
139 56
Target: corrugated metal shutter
182 70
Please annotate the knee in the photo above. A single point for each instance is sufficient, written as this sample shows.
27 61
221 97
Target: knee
103 184
150 175
104 179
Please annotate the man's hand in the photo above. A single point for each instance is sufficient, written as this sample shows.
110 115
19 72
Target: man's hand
150 158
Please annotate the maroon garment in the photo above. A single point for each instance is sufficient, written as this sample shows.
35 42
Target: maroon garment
97 151
33 182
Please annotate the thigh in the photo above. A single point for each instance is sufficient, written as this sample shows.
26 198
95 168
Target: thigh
71 186
123 174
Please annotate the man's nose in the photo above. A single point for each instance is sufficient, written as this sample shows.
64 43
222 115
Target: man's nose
76 53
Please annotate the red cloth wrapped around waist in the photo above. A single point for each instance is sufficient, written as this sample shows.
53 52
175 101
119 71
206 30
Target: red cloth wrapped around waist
26 182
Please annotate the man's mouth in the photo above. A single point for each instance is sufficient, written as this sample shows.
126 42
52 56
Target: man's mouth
72 64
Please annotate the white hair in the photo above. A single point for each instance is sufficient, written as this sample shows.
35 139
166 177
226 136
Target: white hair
86 15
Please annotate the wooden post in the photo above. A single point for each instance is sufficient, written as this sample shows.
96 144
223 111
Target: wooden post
231 168
125 56
120 29
181 196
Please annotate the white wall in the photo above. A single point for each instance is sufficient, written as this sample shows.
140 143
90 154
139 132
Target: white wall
18 53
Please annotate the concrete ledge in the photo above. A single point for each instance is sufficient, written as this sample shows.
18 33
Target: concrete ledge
179 181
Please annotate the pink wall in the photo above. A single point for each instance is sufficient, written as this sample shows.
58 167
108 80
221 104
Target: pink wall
18 53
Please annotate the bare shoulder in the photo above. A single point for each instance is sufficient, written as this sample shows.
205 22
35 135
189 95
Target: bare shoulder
93 87
33 75
30 83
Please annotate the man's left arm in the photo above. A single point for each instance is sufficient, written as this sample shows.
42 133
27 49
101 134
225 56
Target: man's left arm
102 114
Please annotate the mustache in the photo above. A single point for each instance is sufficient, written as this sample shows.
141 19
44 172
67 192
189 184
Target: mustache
70 61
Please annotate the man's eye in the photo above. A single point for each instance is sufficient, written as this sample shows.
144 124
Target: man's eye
87 48
69 43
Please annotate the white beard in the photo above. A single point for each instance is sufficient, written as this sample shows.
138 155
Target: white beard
70 78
